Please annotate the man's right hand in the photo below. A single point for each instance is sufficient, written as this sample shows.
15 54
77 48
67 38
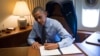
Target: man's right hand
36 45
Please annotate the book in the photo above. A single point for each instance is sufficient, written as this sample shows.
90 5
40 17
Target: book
72 49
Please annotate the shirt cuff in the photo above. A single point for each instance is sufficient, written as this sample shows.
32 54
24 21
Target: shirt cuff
30 42
65 42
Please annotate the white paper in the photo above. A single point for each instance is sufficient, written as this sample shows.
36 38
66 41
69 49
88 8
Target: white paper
48 52
93 38
72 49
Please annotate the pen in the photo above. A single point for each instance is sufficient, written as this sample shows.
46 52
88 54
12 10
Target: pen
60 51
93 43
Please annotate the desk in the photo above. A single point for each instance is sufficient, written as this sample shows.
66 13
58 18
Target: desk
14 51
26 51
15 38
90 49
34 52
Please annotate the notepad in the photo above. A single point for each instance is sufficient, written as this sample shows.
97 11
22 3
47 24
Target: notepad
72 49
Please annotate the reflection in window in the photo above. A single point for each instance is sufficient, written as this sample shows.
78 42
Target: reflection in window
90 17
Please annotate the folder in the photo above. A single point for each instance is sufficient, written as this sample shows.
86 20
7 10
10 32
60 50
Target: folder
72 49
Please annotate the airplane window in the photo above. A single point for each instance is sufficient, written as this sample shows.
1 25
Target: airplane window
90 17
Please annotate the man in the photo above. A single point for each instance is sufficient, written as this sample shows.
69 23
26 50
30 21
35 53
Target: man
56 35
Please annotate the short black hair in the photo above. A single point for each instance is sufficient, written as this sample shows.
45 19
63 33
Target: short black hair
38 8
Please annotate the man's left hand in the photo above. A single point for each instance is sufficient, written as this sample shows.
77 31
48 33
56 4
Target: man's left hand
50 46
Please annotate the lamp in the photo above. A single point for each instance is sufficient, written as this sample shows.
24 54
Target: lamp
21 9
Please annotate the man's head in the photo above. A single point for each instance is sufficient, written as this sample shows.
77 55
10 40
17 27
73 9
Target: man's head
40 15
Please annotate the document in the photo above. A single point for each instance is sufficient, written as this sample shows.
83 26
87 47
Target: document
94 38
72 49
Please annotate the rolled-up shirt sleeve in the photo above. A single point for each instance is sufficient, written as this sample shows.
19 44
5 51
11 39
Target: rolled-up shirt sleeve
31 37
65 36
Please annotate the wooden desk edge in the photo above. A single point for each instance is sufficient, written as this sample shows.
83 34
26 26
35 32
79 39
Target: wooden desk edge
80 49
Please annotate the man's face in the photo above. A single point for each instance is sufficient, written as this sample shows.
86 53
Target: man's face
40 17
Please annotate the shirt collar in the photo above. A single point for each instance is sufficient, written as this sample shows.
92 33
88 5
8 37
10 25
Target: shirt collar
46 23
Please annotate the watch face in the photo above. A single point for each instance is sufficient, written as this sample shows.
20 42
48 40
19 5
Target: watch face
91 2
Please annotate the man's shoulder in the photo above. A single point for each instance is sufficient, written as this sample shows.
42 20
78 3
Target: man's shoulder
52 20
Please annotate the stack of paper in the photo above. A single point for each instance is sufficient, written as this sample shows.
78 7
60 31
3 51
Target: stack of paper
72 49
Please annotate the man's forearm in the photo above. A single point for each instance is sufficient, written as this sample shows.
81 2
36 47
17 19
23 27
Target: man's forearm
65 42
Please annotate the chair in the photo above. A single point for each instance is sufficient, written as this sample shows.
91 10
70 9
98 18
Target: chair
65 13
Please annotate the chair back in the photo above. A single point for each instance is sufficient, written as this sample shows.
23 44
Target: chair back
65 13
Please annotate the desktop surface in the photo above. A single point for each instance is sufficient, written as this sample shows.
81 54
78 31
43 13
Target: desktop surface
92 48
87 50
27 51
